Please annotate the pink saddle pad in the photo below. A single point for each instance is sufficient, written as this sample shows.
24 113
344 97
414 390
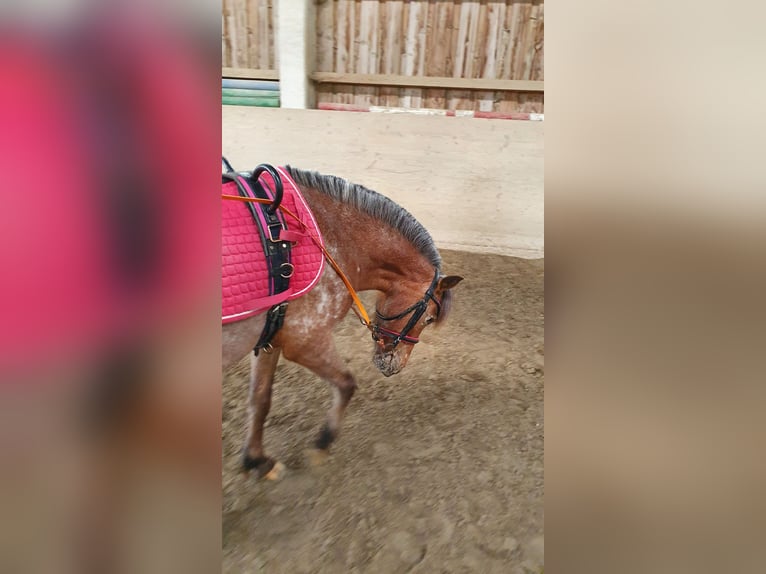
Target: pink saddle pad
244 270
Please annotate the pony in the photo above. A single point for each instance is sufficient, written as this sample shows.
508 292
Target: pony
379 246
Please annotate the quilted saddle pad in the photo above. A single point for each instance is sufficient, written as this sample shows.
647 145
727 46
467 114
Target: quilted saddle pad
244 269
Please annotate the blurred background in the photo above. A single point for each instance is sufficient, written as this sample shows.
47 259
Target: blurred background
109 233
655 280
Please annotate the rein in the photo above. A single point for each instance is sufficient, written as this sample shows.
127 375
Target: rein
417 309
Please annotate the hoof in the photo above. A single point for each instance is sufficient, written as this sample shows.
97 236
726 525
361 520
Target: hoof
316 457
325 439
263 466
276 473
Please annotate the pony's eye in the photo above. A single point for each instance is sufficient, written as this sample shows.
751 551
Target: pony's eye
429 320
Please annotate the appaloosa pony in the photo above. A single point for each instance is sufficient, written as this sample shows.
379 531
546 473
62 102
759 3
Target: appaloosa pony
379 246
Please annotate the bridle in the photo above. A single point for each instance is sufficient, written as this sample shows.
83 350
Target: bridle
417 310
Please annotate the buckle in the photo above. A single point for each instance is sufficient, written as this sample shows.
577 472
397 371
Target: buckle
290 270
272 228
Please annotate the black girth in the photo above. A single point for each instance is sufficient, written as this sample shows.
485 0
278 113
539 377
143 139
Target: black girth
277 251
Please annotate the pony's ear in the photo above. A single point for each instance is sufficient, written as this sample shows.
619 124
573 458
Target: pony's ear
449 282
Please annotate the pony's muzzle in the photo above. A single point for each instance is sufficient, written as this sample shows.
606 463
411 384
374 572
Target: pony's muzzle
389 362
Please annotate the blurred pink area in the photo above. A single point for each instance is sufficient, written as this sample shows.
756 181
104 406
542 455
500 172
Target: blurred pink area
105 217
110 297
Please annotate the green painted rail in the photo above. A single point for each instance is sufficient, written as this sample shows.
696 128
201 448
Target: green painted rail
247 93
245 101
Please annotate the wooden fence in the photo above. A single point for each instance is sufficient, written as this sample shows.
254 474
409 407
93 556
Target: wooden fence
248 35
407 53
443 39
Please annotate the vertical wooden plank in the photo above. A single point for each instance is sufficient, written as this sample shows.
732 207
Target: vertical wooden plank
431 45
466 97
500 41
479 52
251 33
404 24
518 56
438 48
538 47
374 62
417 95
364 95
459 31
488 31
410 46
453 25
504 50
244 48
513 25
340 46
363 37
384 56
274 34
353 49
480 100
391 43
225 38
407 58
268 49
232 26
471 39
529 39
353 39
267 40
339 37
389 36
422 33
525 56
491 40
325 36
460 45
253 36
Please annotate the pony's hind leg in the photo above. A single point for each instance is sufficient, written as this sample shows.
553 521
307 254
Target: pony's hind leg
262 370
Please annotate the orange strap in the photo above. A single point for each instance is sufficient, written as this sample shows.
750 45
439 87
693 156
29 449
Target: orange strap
361 312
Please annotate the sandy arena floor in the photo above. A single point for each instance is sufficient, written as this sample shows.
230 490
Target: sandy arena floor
438 469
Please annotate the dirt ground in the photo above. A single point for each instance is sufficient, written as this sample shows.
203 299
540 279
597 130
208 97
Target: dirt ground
438 469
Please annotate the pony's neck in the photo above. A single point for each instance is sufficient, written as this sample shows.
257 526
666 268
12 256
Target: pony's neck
373 255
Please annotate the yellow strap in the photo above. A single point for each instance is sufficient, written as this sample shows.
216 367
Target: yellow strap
361 312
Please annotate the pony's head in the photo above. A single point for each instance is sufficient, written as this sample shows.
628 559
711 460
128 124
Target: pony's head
399 322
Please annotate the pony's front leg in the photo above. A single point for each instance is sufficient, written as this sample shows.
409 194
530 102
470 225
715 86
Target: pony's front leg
343 387
328 365
262 370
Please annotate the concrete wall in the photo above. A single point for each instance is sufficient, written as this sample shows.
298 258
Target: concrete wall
476 184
